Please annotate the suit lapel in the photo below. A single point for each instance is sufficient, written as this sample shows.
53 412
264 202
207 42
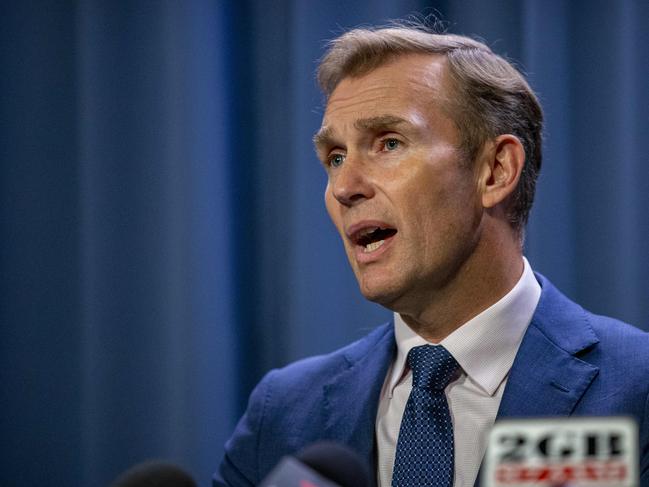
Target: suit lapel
547 377
352 397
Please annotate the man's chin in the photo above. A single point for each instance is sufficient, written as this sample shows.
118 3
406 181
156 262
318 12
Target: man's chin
380 293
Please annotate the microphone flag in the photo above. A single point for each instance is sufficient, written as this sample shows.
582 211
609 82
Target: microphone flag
567 452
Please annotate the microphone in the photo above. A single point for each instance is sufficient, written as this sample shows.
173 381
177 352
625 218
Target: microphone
568 452
154 473
324 464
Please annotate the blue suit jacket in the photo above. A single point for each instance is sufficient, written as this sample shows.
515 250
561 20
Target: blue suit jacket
570 362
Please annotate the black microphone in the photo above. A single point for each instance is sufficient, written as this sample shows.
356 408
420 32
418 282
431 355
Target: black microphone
324 464
154 473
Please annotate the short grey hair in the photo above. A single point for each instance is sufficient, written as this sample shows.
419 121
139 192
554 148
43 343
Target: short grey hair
491 96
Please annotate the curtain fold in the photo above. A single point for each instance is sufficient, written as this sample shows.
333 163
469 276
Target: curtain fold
157 327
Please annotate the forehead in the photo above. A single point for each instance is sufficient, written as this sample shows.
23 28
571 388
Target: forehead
410 83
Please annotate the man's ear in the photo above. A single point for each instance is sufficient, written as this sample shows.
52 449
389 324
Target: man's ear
500 169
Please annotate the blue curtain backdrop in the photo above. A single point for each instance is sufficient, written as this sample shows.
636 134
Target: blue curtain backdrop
163 238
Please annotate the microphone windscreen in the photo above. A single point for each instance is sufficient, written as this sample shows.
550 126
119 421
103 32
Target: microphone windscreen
154 474
337 463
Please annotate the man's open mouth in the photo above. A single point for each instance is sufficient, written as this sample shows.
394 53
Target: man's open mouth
372 238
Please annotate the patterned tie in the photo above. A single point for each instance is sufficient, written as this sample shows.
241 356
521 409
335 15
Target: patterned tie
424 455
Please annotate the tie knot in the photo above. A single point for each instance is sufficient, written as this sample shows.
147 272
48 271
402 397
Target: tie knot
432 366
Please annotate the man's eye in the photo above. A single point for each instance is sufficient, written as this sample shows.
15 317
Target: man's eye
391 144
336 160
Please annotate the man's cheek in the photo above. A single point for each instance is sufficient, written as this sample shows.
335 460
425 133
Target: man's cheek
330 204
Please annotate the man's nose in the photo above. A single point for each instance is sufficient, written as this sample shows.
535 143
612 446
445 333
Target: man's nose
350 183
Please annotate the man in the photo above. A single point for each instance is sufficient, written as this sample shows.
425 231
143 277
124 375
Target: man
432 146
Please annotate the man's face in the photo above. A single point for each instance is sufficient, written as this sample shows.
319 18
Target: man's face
405 204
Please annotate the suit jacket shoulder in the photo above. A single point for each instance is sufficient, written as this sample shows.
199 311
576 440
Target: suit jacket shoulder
573 362
307 401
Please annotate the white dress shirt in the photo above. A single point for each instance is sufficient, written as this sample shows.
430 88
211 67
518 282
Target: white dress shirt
485 347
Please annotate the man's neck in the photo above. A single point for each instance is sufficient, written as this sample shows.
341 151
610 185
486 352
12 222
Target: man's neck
480 283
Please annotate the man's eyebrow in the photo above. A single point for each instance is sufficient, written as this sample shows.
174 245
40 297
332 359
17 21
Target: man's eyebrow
325 137
379 123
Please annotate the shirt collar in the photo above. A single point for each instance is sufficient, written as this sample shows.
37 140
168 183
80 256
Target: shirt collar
486 345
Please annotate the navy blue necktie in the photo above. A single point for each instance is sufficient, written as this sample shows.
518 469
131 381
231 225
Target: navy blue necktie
424 455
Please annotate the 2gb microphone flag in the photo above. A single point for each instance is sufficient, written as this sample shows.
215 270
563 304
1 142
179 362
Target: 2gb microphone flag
566 452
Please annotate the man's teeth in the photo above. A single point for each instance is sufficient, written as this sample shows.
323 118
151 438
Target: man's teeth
373 246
